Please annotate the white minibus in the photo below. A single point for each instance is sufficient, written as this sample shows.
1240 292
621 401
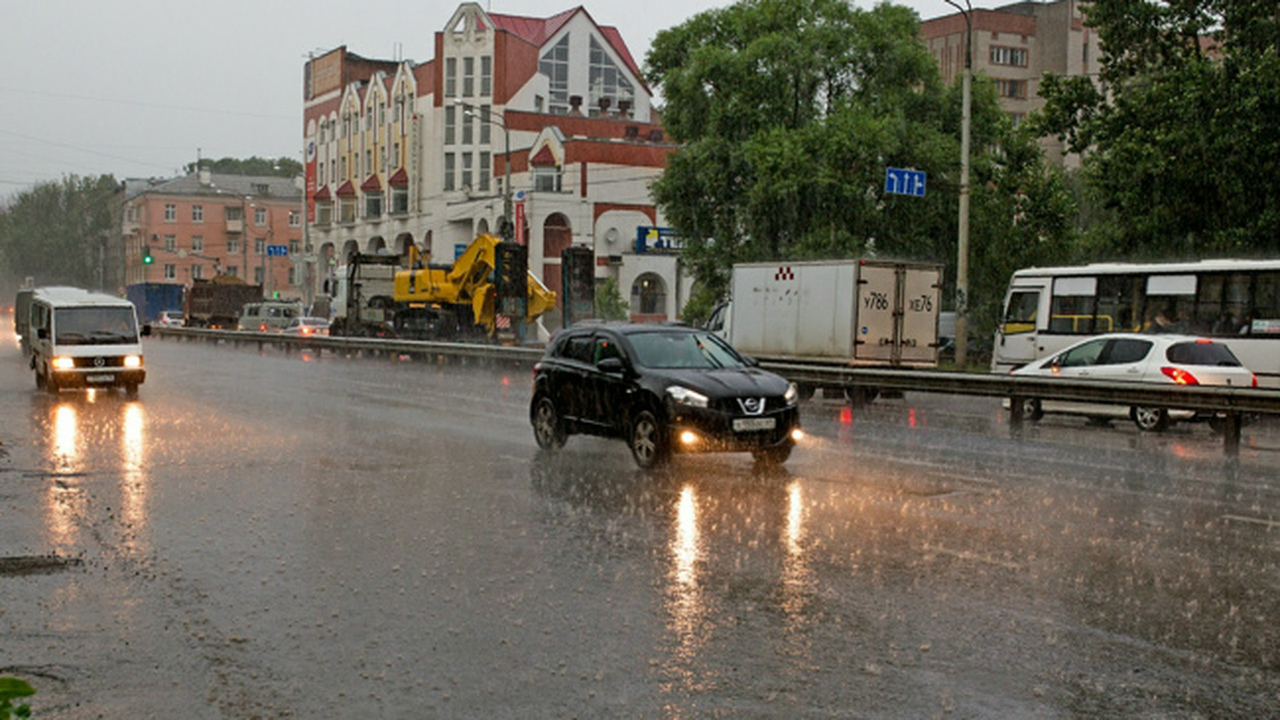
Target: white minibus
82 339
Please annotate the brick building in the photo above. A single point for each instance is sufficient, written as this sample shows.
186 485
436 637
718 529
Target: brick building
1015 45
402 153
204 224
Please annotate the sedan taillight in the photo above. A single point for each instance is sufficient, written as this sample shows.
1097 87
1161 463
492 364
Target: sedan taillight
1180 376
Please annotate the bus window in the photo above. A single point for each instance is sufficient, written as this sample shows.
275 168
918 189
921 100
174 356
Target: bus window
1020 314
1265 317
1119 303
1073 315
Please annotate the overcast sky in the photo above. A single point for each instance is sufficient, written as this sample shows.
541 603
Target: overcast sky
137 88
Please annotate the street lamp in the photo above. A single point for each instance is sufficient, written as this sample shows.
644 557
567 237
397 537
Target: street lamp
962 250
469 110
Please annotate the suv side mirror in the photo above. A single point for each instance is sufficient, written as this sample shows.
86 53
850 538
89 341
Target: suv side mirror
613 366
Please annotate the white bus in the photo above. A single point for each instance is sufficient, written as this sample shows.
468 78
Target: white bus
1237 301
82 339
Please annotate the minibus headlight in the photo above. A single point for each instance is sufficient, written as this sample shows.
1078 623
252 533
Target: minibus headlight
133 361
63 362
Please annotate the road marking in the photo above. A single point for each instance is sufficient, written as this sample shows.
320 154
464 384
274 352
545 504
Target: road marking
1252 520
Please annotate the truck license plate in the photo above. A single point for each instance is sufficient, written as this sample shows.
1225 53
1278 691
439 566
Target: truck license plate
99 378
749 424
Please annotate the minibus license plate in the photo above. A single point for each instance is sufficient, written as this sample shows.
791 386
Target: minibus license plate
749 424
99 378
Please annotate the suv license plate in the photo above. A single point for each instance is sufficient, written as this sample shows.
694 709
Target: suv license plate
749 424
99 378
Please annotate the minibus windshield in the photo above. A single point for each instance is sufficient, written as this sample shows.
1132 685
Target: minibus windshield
94 326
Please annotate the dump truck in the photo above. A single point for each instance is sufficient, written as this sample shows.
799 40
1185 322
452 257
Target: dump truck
862 312
487 294
216 303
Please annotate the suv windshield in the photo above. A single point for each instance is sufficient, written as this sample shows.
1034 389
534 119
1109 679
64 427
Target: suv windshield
94 326
683 349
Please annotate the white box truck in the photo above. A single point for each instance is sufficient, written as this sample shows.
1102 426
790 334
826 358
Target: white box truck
870 313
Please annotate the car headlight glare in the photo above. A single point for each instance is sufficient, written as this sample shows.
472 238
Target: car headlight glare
685 396
133 361
63 363
792 395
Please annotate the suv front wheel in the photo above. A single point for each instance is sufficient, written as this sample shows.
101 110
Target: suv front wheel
648 440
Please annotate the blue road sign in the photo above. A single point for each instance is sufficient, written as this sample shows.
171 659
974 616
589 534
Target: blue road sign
277 251
904 182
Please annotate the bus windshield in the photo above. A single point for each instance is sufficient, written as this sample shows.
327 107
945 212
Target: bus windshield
95 326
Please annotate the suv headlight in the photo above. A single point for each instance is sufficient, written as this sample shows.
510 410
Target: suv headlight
792 395
685 396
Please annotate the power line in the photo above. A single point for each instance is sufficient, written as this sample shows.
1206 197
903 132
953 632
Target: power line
136 103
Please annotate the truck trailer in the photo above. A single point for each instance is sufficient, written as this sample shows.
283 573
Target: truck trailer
152 298
862 312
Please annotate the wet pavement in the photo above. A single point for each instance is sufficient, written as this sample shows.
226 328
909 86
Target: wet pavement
291 537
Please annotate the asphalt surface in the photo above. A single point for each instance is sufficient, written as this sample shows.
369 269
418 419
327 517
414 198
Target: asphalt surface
271 536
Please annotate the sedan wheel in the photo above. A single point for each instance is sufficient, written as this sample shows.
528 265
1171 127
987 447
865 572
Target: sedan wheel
548 430
648 440
1149 419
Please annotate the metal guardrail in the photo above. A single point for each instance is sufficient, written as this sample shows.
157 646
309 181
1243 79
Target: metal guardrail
1233 402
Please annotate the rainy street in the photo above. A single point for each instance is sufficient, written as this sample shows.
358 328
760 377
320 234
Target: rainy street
262 535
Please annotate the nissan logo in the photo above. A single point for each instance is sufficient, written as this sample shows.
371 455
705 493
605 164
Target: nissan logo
752 406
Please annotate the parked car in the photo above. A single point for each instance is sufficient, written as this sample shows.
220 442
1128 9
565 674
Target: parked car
1163 359
307 326
664 389
170 318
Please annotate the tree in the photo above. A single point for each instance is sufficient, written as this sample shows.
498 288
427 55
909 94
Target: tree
1182 134
54 231
279 167
788 112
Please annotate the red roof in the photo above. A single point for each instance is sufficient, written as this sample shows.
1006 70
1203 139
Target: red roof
544 158
399 179
347 190
323 195
372 184
538 30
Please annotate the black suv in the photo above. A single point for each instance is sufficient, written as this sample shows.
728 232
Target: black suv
664 389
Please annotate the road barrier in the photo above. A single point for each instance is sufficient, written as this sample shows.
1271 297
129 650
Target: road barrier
1232 402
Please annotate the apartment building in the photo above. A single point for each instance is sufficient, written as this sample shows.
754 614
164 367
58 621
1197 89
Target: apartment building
1015 45
543 120
208 224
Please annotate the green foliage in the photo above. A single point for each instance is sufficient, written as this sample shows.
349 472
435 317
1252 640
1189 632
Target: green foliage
610 305
788 112
11 689
1184 143
53 231
280 167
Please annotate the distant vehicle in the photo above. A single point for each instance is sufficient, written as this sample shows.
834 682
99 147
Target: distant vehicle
664 389
170 318
153 298
1236 302
307 326
867 313
269 315
1162 359
81 339
22 318
216 303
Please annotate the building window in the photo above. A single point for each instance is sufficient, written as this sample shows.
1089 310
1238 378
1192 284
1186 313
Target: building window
1012 89
486 170
293 276
450 121
373 205
233 270
1016 118
258 274
233 246
170 213
1016 57
342 167
466 171
399 200
171 243
347 210
197 243
448 171
607 82
295 218
259 217
324 214
485 124
260 246
486 76
170 272
197 213
468 128
293 247
197 272
468 77
547 179
555 65
450 77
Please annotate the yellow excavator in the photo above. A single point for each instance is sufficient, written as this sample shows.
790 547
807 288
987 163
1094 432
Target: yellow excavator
445 301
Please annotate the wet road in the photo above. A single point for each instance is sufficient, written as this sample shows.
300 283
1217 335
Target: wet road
276 537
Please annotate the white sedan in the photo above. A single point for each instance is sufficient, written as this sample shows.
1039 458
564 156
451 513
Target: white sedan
1163 359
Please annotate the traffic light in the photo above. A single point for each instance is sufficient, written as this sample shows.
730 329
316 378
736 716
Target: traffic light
147 258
